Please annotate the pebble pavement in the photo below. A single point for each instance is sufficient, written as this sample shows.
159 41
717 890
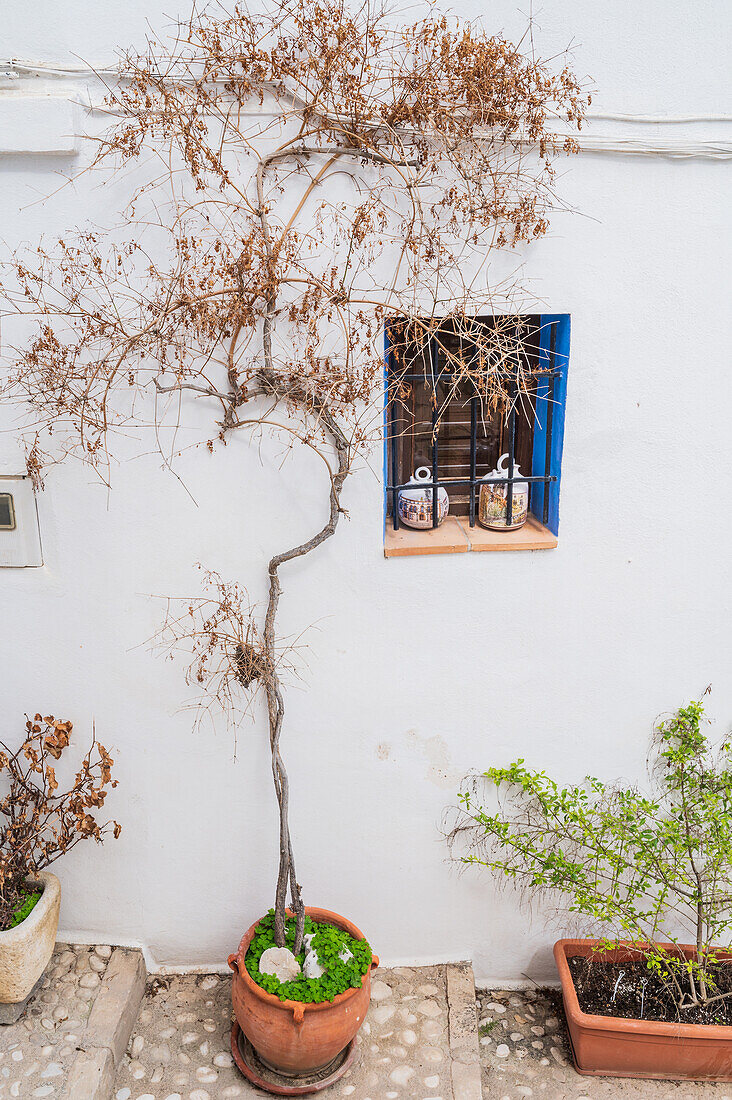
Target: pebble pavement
180 1046
524 1052
36 1053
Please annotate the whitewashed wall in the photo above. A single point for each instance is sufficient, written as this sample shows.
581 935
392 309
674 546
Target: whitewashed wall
419 669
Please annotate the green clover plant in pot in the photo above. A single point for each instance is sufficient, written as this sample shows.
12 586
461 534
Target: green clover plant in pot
39 822
651 994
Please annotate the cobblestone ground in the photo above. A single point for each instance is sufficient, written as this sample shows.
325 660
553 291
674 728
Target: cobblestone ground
404 1050
37 1051
524 1052
180 1047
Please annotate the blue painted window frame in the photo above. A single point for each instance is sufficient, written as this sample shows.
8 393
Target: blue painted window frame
561 323
551 402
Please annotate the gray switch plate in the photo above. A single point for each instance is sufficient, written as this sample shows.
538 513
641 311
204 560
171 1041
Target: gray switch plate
20 536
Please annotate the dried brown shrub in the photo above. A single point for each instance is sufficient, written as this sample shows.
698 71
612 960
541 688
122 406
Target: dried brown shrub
38 821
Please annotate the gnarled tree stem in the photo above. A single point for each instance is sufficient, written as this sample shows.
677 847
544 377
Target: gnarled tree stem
275 700
313 405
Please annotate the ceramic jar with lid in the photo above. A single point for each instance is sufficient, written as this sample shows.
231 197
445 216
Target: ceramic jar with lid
415 505
493 506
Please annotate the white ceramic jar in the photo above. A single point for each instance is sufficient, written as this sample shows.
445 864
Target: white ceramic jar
493 504
415 505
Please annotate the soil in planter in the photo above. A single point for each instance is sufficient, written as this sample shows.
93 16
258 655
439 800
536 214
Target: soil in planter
634 992
329 943
26 903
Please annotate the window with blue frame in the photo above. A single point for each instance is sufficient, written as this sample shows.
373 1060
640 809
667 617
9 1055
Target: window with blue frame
447 453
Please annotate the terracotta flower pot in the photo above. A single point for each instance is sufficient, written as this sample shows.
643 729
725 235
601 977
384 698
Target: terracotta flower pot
610 1046
26 949
290 1036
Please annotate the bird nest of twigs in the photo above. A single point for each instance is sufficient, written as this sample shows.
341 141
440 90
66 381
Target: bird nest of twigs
251 664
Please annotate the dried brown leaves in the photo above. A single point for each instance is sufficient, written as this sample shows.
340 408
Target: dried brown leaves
387 161
38 824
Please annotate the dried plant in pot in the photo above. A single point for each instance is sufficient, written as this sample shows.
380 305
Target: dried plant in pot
651 871
330 172
38 824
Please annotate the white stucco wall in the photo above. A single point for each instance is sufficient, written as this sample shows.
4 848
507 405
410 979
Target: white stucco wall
420 669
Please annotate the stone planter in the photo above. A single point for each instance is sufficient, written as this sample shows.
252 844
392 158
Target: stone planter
26 949
610 1046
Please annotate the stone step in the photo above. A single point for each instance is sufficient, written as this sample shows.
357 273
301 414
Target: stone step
108 1029
72 1033
463 1031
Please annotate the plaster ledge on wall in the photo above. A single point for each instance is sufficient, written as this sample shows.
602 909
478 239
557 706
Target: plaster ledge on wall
36 117
492 982
683 148
40 124
82 938
153 966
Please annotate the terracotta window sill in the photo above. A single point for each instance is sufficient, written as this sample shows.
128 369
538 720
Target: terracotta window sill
456 536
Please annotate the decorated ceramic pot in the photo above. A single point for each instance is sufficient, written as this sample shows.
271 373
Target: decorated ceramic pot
415 505
493 504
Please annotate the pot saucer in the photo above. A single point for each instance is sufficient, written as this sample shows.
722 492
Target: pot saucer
260 1074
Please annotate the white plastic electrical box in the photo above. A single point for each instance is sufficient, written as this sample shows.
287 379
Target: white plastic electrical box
20 536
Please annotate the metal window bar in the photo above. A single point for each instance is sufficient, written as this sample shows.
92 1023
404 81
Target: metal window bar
473 453
512 395
473 483
392 428
435 431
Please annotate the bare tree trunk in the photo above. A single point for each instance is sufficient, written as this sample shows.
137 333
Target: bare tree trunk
275 701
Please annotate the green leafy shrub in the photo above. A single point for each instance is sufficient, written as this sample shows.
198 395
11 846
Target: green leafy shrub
328 944
645 868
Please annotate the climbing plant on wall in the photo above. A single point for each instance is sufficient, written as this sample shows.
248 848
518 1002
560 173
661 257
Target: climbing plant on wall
308 175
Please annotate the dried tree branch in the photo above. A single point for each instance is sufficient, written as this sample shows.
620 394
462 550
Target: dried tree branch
252 289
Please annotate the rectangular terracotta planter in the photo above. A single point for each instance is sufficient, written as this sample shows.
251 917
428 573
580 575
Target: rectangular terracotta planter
609 1046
